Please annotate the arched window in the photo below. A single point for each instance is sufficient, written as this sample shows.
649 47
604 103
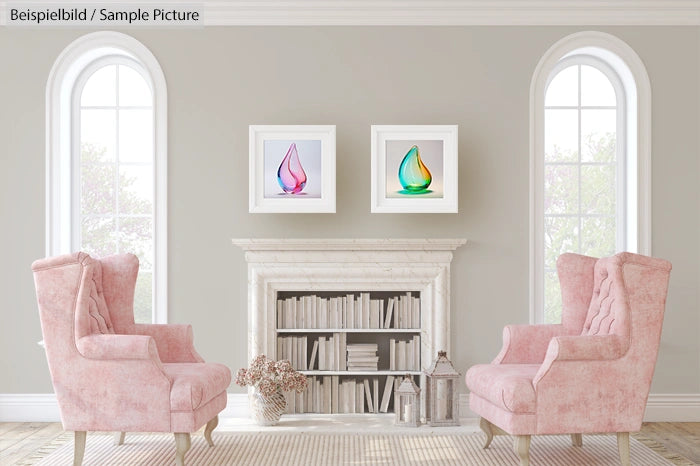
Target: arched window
106 154
590 100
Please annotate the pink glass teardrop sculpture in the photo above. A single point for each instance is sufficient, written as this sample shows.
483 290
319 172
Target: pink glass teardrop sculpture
290 174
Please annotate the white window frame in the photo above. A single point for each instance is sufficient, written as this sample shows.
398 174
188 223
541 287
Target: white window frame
61 140
620 60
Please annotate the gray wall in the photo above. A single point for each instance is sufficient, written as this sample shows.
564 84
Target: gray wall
220 80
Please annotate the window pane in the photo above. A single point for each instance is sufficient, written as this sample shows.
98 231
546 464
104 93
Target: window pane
596 89
100 88
98 236
136 237
135 189
560 135
133 89
552 295
598 189
560 236
136 136
143 297
598 236
98 128
96 183
563 89
598 135
561 189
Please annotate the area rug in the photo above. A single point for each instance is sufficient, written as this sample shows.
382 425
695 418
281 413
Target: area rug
306 449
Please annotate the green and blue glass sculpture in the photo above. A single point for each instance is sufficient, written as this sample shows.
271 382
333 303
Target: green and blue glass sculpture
413 174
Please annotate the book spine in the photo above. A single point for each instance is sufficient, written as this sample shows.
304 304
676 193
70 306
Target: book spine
389 313
322 354
409 301
381 313
368 396
344 312
388 389
334 394
280 314
327 394
416 353
375 397
415 318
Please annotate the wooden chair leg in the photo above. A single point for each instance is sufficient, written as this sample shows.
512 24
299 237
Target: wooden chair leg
623 447
119 438
79 447
487 428
211 425
577 440
521 445
182 444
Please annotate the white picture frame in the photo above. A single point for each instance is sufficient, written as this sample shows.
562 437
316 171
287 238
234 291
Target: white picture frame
392 193
314 149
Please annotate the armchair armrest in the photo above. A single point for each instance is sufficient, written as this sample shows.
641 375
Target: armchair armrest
526 344
587 347
113 347
175 342
582 349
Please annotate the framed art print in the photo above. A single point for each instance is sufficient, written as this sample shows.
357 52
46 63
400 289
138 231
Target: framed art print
414 168
292 168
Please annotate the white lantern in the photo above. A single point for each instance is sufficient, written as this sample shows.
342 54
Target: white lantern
406 405
442 392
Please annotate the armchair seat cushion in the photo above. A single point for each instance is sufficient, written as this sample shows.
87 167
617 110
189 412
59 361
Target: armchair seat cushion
195 384
508 386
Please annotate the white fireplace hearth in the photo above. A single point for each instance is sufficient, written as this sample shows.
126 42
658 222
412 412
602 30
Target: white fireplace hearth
349 265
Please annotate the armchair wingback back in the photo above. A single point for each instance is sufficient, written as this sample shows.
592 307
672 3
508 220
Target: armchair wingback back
73 308
110 373
592 372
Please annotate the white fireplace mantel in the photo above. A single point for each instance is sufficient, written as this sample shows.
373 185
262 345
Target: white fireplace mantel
349 265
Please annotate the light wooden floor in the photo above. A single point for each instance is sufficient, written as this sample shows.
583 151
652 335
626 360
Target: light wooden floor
18 440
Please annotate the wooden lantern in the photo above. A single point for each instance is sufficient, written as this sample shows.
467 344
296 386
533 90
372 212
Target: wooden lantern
442 392
406 403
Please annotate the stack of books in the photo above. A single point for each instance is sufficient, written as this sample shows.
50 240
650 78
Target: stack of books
362 357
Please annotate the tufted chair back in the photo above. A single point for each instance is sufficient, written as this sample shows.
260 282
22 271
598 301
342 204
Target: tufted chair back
609 310
91 312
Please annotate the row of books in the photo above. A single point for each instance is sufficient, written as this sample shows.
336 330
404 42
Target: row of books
327 353
333 353
348 311
404 355
330 395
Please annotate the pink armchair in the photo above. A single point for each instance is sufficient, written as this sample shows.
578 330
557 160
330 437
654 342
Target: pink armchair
592 372
110 374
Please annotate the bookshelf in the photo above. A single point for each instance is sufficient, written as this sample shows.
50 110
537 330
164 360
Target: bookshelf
286 267
354 347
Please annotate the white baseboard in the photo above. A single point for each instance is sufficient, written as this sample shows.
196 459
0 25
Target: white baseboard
33 407
42 407
237 406
673 408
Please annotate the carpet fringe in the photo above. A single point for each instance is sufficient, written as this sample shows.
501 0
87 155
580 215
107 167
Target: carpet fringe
381 449
659 449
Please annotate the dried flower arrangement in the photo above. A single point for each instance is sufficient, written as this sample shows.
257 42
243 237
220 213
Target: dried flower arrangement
269 376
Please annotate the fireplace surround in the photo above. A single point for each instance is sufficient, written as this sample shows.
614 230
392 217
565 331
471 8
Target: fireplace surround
347 265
